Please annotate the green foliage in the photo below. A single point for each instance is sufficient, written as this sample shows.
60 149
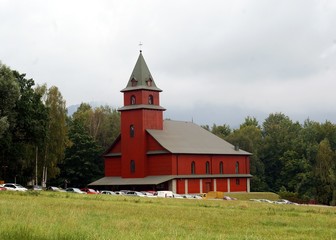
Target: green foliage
9 92
324 173
299 158
83 163
102 123
221 131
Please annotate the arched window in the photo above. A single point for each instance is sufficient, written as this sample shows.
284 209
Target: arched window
221 168
149 82
207 167
133 100
237 167
132 166
132 130
150 99
193 168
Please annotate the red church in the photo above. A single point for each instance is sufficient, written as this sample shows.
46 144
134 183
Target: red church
155 154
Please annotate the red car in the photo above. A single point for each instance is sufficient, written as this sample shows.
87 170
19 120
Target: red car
89 190
3 188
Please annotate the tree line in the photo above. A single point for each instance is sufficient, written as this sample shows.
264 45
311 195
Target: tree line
293 159
40 144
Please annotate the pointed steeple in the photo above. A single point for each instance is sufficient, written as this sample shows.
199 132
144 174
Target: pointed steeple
141 78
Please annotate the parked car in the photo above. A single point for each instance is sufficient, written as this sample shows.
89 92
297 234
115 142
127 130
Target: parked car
135 194
55 189
2 188
175 195
75 190
187 196
197 196
35 188
15 187
229 198
284 201
120 193
165 194
149 194
262 200
89 190
106 192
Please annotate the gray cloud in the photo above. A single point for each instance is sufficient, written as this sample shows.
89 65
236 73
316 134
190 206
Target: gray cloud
241 58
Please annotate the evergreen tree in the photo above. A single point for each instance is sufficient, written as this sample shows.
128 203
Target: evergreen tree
83 163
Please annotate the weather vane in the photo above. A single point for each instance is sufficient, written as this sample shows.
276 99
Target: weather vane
140 46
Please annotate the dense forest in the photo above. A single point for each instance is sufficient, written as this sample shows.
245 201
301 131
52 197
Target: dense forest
40 144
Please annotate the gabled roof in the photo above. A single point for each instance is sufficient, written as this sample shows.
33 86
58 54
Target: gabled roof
141 78
189 138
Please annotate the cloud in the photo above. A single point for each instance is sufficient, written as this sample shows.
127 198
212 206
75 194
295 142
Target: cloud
242 57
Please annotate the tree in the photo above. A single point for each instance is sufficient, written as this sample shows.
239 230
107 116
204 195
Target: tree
324 173
83 163
56 133
9 94
280 135
221 131
249 138
102 123
26 128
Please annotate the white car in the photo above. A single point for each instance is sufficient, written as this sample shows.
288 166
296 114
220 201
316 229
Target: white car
14 187
165 194
75 190
108 192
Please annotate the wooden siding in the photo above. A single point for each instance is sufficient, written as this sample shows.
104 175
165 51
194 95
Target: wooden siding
193 185
112 167
159 165
221 185
241 187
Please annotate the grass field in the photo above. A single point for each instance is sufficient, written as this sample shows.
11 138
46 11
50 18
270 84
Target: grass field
70 216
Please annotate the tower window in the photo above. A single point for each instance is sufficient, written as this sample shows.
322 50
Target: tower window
150 99
134 82
207 167
133 100
237 167
132 166
149 82
221 168
193 168
132 130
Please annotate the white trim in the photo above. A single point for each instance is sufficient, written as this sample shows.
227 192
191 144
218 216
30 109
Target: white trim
186 186
215 185
174 185
228 185
248 185
201 186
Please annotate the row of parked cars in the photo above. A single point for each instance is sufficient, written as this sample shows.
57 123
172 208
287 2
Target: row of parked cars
280 201
151 194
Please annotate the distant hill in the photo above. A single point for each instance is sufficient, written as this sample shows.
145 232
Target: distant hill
73 108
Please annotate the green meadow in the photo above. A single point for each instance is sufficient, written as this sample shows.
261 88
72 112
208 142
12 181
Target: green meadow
45 215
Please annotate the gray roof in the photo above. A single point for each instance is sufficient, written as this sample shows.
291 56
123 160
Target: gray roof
150 180
154 180
141 75
141 106
189 138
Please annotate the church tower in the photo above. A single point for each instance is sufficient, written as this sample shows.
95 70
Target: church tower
141 111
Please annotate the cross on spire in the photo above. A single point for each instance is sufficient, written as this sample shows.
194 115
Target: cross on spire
140 46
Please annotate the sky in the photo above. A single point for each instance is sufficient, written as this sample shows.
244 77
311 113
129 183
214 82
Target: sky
217 61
